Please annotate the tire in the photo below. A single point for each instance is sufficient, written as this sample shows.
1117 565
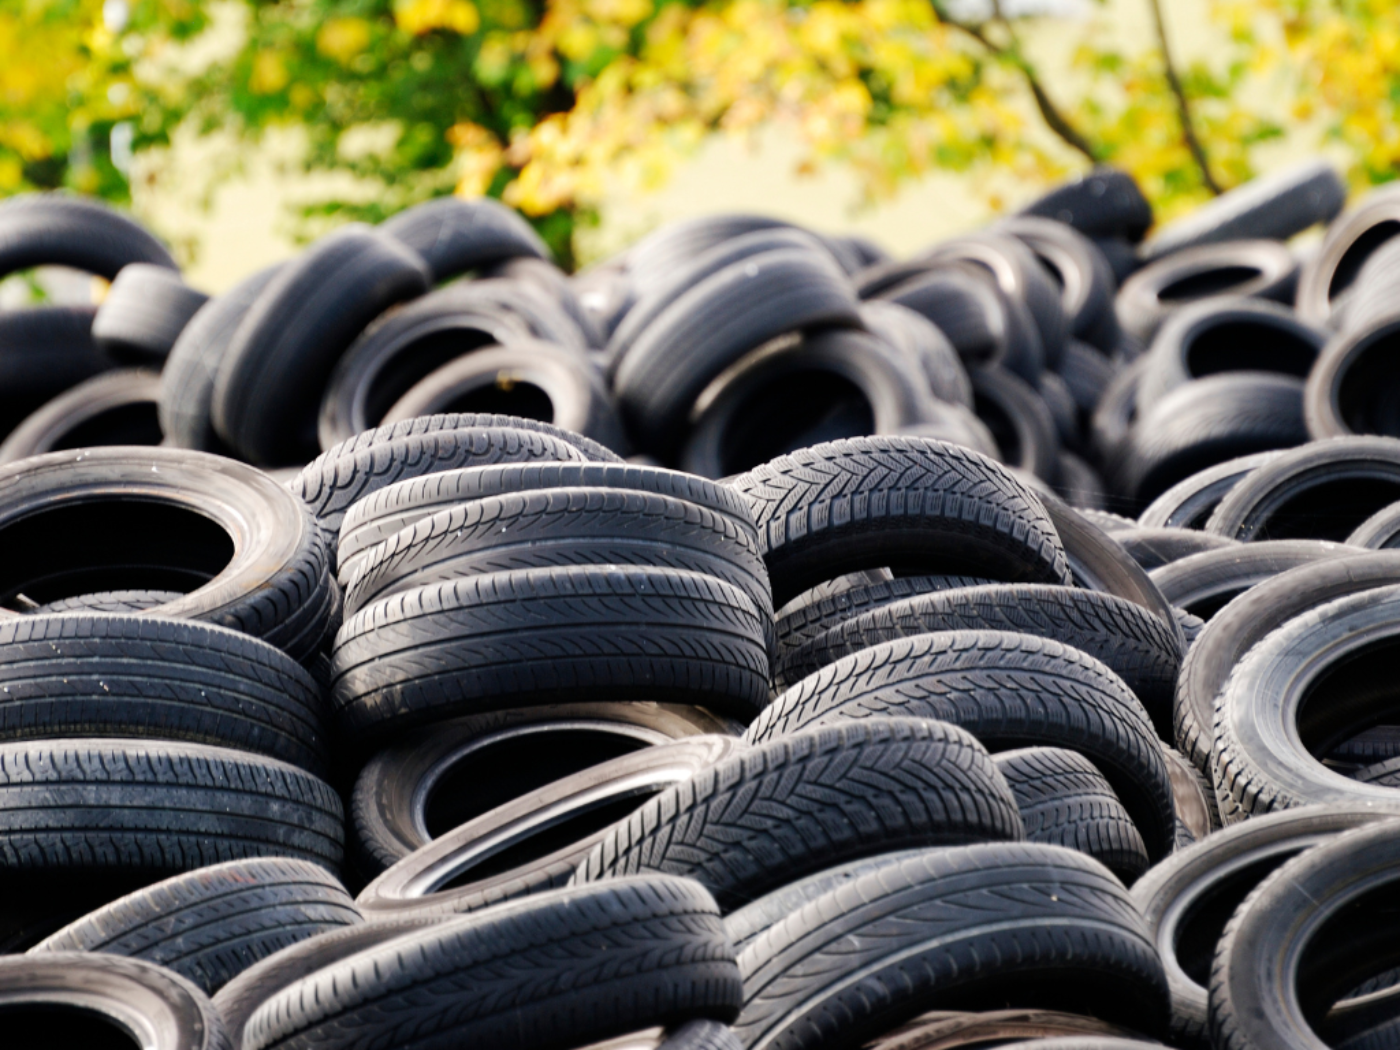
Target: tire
1065 801
1019 924
1194 794
1019 419
1189 504
1112 421
1106 520
1080 484
1381 531
53 229
1272 207
143 314
1372 300
1084 277
888 502
562 969
535 842
77 999
1227 335
1266 735
920 339
279 361
794 806
802 390
1330 273
714 324
1205 583
563 527
114 408
1122 257
1272 983
211 924
44 350
1101 203
149 677
1351 389
1206 422
1130 641
1188 899
1154 548
949 1030
379 516
240 545
955 425
660 255
1007 690
1241 269
611 634
187 377
1323 491
1087 373
454 235
606 293
111 602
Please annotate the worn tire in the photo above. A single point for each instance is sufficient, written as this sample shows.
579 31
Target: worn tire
143 314
455 235
114 408
1189 504
54 229
1204 583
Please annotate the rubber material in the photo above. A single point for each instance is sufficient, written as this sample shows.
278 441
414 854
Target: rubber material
114 408
1189 504
1154 548
143 314
455 235
54 229
1204 583
1100 203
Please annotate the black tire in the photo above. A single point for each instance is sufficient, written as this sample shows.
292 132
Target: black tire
1101 203
612 634
1323 491
1266 730
922 340
1122 257
1381 531
956 425
1106 520
187 377
111 602
143 314
1065 801
1019 419
1227 335
535 842
114 408
1112 420
44 350
268 388
1085 279
1189 504
1154 548
52 229
1188 898
950 1029
563 527
714 324
1080 484
1020 924
1308 934
1009 691
1206 422
796 805
1329 274
1250 269
77 674
1274 207
563 969
1133 643
658 256
1087 374
889 502
1352 388
211 924
1205 583
240 545
78 999
1194 793
1372 300
388 510
455 235
801 390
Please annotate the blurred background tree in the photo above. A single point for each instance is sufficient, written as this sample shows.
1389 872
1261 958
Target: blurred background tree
540 102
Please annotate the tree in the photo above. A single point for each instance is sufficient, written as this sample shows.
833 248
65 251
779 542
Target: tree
538 101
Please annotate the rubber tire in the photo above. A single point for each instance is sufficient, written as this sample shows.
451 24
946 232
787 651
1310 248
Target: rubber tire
454 235
657 257
44 350
1112 420
1351 389
1019 419
564 968
143 314
54 229
1086 374
1330 272
1065 801
914 505
1103 202
1154 548
268 388
110 602
1009 691
1189 504
950 1030
921 339
114 408
612 634
1205 583
1085 279
211 924
1020 924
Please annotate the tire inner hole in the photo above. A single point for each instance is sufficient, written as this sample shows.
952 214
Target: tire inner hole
1351 696
1359 942
1199 929
1354 258
110 545
1004 430
1331 510
416 359
795 410
43 1026
1214 281
507 398
1238 346
131 424
1368 395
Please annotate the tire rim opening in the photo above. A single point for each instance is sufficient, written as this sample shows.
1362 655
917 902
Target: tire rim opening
1368 394
1238 346
131 424
411 361
1215 281
38 1025
1349 697
1331 510
797 410
1355 257
504 396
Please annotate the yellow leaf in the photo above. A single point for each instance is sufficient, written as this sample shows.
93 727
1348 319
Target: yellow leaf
269 74
342 38
423 16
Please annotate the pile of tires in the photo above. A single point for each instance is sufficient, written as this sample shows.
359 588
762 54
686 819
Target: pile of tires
752 642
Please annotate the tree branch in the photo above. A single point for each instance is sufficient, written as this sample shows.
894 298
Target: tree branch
1183 106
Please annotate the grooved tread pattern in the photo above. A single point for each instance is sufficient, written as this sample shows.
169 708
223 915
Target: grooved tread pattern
110 602
1136 645
125 804
76 674
513 639
798 804
898 502
946 928
1065 801
1009 691
561 969
211 924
